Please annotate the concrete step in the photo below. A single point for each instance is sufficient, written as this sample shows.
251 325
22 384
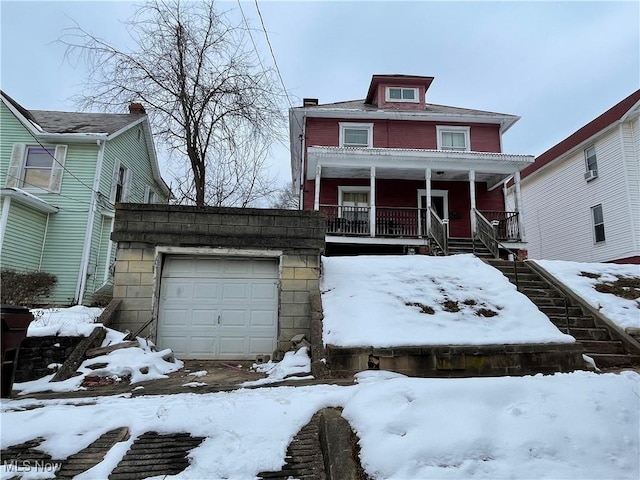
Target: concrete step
574 322
548 301
559 311
599 346
609 360
587 334
533 292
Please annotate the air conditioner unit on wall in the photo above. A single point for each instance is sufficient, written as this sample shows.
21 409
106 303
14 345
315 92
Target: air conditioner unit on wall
590 175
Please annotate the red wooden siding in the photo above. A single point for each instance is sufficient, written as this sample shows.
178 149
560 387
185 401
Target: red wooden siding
404 193
400 133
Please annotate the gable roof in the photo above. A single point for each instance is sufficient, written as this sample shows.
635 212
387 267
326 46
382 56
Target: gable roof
47 121
597 125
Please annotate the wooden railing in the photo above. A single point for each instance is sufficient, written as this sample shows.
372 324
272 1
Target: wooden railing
438 230
508 226
486 233
396 222
343 220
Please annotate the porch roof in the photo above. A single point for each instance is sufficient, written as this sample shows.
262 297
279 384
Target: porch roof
410 164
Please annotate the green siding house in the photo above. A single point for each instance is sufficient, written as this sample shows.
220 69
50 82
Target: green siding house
61 174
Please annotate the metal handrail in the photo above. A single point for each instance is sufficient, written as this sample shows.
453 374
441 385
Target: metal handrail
438 231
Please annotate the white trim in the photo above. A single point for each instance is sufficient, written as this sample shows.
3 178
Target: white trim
4 218
356 126
444 194
440 129
109 249
355 189
28 199
415 99
44 241
595 154
593 225
376 240
221 252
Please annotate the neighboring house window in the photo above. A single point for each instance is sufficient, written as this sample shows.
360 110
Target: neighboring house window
453 138
598 223
150 196
36 167
121 183
590 158
397 94
354 203
356 134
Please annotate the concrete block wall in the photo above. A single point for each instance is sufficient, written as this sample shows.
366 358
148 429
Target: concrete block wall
139 229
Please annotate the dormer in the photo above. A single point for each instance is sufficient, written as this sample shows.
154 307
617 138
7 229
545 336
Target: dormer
404 92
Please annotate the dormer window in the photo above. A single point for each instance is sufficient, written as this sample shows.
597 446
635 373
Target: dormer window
453 138
398 94
357 135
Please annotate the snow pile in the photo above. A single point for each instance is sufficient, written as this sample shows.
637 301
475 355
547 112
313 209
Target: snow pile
65 322
579 425
385 301
140 363
624 313
566 426
292 367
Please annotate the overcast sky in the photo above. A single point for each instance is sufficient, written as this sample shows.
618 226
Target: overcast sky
555 64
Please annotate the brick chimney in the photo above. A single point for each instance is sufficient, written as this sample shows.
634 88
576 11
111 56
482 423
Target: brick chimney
309 102
136 109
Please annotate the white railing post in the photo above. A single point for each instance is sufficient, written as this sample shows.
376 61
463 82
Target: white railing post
316 198
372 202
472 198
427 217
516 179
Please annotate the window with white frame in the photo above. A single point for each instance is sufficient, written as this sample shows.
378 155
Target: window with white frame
356 134
121 183
401 94
590 158
36 167
150 196
453 138
354 203
598 223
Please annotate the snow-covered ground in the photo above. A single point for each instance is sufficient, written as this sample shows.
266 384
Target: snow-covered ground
566 426
624 313
384 301
66 322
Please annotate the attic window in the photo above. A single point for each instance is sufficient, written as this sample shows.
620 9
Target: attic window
398 94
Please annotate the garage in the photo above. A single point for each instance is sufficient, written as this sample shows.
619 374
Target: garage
222 308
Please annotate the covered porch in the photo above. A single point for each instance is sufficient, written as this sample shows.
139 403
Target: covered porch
415 197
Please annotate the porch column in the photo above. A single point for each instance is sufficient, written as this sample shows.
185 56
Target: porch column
316 198
427 217
518 200
472 197
372 202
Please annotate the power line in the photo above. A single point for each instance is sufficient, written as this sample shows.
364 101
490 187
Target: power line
49 193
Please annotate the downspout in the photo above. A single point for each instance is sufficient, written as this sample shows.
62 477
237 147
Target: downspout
86 249
303 159
44 241
4 219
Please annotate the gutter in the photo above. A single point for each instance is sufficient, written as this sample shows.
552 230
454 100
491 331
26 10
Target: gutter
86 249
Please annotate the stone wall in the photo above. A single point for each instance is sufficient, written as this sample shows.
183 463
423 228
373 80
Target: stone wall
295 238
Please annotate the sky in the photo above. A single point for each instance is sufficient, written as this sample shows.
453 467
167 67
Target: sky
557 65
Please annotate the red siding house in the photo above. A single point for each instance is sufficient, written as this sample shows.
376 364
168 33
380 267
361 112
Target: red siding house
394 172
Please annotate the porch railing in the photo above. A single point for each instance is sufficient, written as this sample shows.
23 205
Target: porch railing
342 220
507 228
397 222
438 230
485 232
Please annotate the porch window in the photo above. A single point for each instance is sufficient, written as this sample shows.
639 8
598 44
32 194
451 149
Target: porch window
590 158
598 223
453 138
356 135
354 203
397 94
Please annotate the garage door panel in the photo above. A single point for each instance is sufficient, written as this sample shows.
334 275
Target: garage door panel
242 292
262 318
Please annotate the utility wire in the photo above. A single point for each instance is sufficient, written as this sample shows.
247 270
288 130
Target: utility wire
51 193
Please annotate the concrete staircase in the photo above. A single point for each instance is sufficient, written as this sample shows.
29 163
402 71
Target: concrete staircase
599 340
464 245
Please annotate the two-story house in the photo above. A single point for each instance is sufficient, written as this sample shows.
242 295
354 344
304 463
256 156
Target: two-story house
61 174
583 194
395 173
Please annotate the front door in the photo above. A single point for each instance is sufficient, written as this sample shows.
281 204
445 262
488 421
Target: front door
439 202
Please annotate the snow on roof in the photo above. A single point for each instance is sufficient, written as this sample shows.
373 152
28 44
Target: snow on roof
387 301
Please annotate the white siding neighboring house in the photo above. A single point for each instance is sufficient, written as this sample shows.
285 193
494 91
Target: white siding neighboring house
582 196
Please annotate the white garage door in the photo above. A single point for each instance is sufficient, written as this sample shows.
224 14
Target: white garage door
218 308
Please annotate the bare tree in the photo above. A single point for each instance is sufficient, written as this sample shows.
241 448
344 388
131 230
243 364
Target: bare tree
208 96
287 197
